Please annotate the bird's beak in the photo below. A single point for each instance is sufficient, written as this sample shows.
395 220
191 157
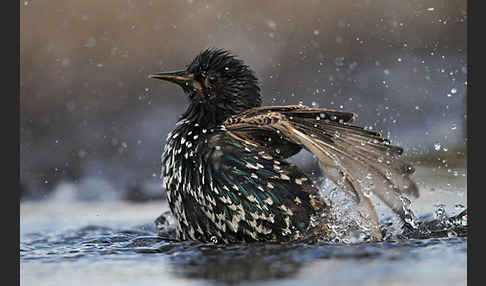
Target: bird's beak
182 78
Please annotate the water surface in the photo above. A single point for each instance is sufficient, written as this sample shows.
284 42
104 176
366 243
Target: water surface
72 242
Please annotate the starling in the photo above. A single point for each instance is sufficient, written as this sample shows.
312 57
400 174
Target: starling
225 166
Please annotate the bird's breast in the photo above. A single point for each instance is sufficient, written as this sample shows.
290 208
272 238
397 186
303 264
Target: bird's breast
181 156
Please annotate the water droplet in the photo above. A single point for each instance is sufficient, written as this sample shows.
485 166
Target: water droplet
271 24
90 43
437 146
451 233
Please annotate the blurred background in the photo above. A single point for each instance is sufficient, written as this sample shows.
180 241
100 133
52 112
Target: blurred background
92 122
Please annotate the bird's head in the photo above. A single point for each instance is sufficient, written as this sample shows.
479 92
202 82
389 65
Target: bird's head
217 83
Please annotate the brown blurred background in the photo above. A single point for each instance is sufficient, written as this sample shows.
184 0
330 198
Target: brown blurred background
91 117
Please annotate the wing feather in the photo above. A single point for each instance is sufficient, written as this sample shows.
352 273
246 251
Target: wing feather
362 160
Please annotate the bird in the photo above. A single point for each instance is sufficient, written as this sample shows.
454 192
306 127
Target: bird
225 165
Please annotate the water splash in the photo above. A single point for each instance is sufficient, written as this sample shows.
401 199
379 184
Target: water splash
349 227
440 226
347 223
409 217
166 225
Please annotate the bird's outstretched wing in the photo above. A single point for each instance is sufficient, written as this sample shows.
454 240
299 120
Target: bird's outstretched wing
359 160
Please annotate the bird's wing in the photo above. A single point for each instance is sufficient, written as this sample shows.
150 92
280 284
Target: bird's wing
358 159
255 195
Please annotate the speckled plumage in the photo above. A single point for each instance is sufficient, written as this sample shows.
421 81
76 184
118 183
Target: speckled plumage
224 166
221 189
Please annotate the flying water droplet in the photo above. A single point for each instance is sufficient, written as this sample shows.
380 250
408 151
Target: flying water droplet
437 146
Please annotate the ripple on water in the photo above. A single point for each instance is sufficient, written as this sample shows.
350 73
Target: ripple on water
241 262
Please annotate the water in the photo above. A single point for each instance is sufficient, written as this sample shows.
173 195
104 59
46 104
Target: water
117 243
